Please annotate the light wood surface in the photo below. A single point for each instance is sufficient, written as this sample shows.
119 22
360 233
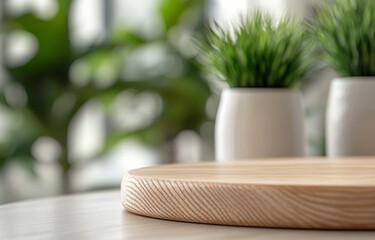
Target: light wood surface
285 193
101 216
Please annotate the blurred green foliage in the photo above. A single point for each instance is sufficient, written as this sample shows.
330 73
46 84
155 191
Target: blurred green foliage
53 98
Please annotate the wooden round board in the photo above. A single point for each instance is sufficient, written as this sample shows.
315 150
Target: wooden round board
314 193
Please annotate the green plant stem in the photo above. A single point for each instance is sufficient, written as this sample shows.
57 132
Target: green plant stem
66 166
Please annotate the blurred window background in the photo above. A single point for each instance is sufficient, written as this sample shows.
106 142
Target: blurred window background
92 88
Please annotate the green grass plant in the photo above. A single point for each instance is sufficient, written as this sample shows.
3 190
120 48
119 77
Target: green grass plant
259 53
344 32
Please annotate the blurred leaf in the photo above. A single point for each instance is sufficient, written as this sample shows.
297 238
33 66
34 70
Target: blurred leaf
116 138
54 51
171 11
318 144
29 164
120 36
18 147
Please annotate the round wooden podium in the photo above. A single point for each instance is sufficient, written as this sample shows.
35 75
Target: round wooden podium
284 193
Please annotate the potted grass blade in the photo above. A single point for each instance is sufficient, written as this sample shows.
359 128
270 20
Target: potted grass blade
261 114
345 33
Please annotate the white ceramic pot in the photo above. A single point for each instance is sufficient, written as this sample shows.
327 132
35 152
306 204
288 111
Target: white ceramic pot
350 119
259 123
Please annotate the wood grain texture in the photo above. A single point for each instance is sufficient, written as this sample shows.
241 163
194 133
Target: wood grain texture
100 216
285 193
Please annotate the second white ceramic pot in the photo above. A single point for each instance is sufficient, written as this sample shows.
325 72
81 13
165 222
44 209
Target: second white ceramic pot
259 123
350 118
